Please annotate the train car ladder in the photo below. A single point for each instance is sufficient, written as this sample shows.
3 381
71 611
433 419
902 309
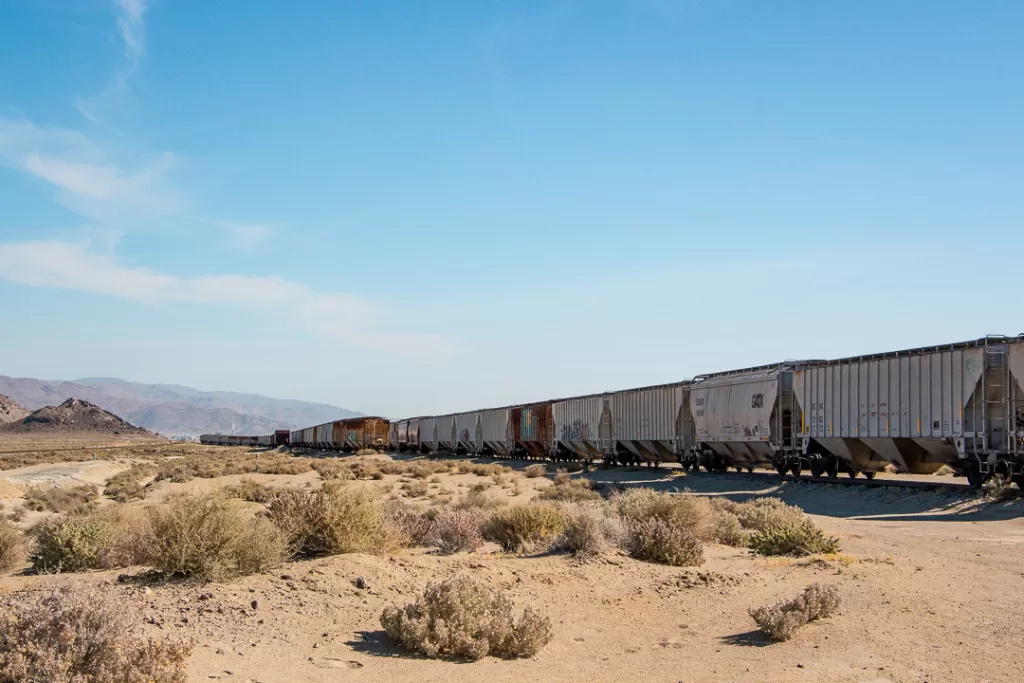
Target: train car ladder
997 400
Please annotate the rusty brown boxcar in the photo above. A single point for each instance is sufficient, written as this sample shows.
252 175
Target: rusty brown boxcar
533 428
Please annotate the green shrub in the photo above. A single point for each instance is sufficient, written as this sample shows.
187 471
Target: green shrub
656 540
525 528
801 538
461 618
70 544
781 620
81 637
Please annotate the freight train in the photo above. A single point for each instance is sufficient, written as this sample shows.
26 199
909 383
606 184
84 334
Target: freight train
959 405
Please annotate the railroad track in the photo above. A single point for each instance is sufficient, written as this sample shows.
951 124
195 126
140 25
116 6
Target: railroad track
939 483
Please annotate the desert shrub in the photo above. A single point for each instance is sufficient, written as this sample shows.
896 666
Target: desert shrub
727 530
211 538
407 525
723 504
763 514
793 538
485 470
12 547
330 521
127 485
562 478
525 528
478 498
416 489
461 618
457 531
534 471
570 491
250 491
70 544
1001 489
587 531
367 469
77 499
332 470
689 512
656 540
129 537
781 620
81 637
419 470
17 514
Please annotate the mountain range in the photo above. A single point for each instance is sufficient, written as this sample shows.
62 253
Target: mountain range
173 410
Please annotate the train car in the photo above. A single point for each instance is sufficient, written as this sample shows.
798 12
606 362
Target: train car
496 432
468 433
533 429
583 427
959 405
428 434
412 435
393 436
745 419
267 440
282 437
652 424
447 437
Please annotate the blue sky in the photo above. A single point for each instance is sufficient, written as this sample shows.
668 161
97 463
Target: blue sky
409 207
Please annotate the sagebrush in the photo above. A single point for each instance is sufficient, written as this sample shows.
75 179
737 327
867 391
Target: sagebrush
12 547
781 620
81 636
525 528
799 538
656 540
332 520
211 538
462 618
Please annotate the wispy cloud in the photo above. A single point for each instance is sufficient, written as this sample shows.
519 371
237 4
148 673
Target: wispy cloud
130 20
343 318
88 180
245 236
131 15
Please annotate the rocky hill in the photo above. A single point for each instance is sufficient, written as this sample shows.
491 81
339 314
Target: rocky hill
73 415
10 411
173 410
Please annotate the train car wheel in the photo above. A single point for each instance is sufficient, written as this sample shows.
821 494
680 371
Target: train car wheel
870 475
816 467
974 476
853 474
832 466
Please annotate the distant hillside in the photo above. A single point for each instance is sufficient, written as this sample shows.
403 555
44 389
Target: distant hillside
73 415
10 411
176 410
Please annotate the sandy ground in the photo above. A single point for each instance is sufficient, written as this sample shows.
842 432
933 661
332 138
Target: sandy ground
932 588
